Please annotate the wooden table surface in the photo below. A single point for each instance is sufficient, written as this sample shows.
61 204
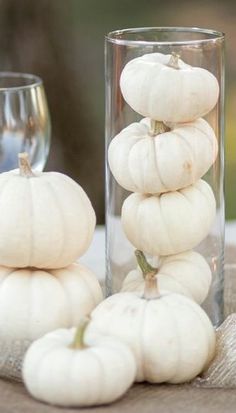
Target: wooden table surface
144 398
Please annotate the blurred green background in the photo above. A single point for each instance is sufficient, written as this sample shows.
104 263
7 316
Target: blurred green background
62 41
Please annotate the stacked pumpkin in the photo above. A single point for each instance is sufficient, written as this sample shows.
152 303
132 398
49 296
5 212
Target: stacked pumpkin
47 222
147 334
162 159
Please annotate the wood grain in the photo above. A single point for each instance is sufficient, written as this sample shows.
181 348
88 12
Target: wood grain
142 398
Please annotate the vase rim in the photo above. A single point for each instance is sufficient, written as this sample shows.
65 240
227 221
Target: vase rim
119 36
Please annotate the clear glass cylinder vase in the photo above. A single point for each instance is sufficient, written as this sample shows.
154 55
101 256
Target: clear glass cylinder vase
165 161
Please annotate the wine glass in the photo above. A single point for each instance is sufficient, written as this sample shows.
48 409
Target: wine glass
24 120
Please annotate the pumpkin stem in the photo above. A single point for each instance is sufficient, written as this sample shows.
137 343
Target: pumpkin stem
174 61
157 127
149 274
78 342
24 165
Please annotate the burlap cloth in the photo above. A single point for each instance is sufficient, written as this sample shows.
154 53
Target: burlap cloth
145 398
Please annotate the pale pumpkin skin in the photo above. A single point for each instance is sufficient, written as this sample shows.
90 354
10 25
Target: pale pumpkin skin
170 158
163 87
34 302
186 273
172 338
170 335
55 372
169 223
46 219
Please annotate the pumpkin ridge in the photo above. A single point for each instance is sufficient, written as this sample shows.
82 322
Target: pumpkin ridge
5 276
140 217
56 346
183 287
31 300
174 327
141 341
203 328
62 220
17 181
113 316
205 282
156 163
63 287
122 353
202 75
37 367
138 213
182 137
134 181
137 140
85 201
3 186
184 196
102 370
88 285
62 282
172 103
47 278
209 189
145 90
46 261
188 261
135 285
162 210
133 279
210 139
77 356
189 150
177 333
43 361
31 213
207 342
8 178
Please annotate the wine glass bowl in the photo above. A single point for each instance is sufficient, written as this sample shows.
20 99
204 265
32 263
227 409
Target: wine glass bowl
24 120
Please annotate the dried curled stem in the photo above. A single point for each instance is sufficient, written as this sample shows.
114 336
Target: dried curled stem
151 290
24 165
174 61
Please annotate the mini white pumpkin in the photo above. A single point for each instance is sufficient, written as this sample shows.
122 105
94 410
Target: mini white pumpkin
34 302
163 87
68 371
186 273
46 218
170 335
169 223
153 158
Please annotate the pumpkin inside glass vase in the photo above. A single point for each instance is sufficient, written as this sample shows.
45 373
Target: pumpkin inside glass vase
171 78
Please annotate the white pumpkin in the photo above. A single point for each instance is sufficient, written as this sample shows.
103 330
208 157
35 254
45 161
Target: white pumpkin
61 370
169 223
148 160
46 219
34 302
170 335
163 87
186 273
